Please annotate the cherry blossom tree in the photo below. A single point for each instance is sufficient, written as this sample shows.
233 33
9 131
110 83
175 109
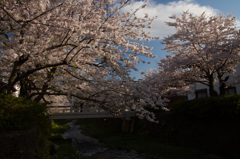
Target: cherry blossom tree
116 96
61 47
169 82
205 47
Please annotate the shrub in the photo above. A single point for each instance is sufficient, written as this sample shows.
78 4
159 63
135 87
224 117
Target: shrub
212 107
18 114
211 125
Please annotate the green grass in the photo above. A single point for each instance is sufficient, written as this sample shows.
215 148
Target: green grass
64 146
109 133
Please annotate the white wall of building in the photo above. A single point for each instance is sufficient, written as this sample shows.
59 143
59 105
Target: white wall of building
233 82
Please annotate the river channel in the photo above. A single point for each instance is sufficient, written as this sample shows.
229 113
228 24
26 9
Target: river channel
90 148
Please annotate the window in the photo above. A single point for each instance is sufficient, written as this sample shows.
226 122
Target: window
230 91
201 93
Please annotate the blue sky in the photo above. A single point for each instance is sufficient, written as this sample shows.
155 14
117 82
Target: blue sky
165 8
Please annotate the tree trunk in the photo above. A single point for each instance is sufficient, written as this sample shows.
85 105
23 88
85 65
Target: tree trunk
222 83
13 79
221 88
212 92
23 87
45 85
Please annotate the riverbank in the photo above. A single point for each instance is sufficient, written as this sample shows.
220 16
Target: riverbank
116 143
62 147
108 131
90 148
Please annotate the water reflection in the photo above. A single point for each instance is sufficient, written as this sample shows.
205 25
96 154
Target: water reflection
86 146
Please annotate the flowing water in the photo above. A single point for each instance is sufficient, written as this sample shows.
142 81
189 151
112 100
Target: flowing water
92 149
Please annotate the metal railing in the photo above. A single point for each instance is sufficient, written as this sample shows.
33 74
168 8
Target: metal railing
70 112
72 109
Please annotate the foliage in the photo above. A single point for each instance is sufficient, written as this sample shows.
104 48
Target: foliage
59 127
168 83
210 125
81 49
207 108
204 48
20 114
54 42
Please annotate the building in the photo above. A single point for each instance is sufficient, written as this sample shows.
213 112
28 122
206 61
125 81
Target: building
202 91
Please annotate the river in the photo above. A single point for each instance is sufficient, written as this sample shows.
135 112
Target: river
90 148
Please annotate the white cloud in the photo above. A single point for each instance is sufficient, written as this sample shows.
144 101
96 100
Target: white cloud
238 24
163 11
